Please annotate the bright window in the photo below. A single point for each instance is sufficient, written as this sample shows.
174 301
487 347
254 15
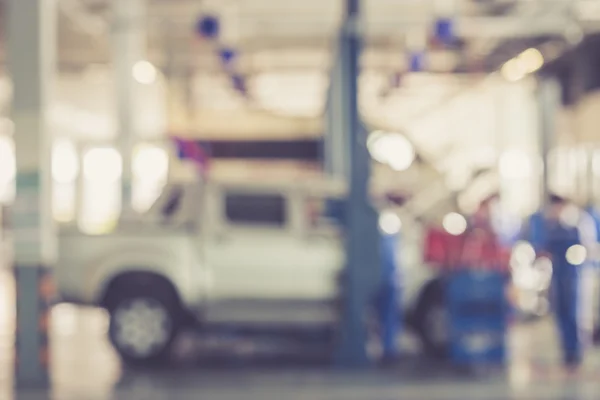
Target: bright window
150 170
102 170
7 169
65 170
64 202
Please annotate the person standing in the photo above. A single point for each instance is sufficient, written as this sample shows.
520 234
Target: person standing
566 235
595 214
483 247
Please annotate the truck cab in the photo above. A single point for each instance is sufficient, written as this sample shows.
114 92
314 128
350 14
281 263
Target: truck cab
212 252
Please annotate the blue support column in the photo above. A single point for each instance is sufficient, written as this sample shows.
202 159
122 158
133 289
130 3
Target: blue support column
31 58
362 235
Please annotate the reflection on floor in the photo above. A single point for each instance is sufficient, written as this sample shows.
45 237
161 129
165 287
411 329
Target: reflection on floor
85 367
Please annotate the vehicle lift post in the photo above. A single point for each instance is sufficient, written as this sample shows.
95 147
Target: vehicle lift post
362 236
32 65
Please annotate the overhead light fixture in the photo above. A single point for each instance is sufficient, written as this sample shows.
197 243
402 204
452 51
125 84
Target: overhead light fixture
455 224
390 223
144 72
513 70
576 254
392 149
531 60
523 254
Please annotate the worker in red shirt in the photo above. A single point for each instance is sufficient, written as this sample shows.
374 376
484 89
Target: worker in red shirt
479 247
482 248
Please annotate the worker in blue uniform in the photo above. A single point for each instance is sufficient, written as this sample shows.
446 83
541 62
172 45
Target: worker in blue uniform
595 214
556 233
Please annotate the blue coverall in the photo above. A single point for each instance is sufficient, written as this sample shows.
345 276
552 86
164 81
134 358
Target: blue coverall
596 263
555 238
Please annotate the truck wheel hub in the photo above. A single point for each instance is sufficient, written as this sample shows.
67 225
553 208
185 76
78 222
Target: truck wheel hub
142 327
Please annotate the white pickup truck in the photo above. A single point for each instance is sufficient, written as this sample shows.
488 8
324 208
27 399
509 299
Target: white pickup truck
246 254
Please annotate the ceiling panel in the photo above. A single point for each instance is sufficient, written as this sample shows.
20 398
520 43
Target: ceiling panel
286 50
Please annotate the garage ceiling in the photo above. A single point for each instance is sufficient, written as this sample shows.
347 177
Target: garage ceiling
285 51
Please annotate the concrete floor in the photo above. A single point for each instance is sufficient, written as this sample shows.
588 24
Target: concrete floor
85 368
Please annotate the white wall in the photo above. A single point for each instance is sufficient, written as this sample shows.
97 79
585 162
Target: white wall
85 107
585 139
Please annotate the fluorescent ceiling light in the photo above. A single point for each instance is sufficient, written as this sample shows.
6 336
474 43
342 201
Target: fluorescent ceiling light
392 149
144 72
531 60
455 224
513 70
294 94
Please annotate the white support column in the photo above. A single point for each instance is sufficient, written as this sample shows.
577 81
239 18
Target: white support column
31 57
129 47
548 106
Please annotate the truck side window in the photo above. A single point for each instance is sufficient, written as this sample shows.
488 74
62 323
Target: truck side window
255 209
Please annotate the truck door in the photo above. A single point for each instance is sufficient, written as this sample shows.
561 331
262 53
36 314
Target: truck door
257 261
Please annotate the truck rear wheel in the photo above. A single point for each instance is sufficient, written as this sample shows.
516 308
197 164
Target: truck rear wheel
144 325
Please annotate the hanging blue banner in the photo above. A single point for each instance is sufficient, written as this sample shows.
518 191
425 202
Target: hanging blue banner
444 30
227 56
208 27
416 62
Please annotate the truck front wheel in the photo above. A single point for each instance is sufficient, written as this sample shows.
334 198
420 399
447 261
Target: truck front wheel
431 320
144 325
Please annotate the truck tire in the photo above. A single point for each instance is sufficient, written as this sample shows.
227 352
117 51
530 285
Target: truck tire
144 324
431 321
